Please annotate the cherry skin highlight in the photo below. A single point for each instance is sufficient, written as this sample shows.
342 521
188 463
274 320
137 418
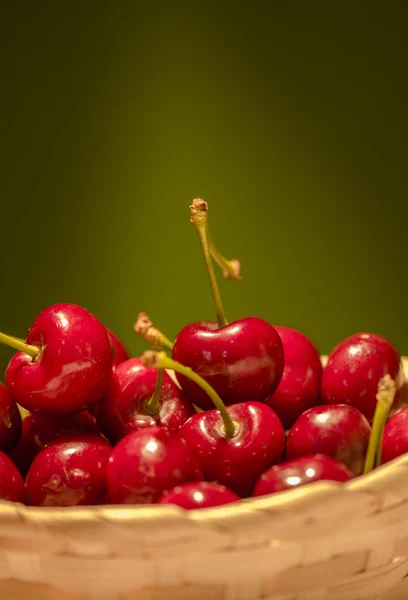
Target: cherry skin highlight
337 430
10 421
11 482
202 494
74 366
236 462
299 387
354 369
122 410
243 361
300 471
70 471
395 438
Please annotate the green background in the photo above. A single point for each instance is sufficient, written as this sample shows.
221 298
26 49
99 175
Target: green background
290 120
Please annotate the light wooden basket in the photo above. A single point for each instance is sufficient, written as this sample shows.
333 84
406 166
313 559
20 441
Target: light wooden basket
324 541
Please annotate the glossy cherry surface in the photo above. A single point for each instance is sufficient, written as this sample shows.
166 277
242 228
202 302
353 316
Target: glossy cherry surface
70 471
146 463
354 369
10 421
300 471
299 387
120 353
236 462
202 494
11 482
395 439
242 361
73 369
123 408
40 430
335 430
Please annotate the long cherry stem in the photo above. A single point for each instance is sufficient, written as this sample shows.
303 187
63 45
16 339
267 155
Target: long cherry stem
160 360
231 268
18 344
385 398
152 406
144 327
199 216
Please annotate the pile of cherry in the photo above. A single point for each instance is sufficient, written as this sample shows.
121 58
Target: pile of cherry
227 411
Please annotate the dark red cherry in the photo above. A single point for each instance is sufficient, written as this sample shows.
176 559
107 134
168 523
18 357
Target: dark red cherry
300 471
124 408
120 353
146 463
299 388
336 430
11 482
242 361
202 494
73 367
395 439
355 367
70 471
10 421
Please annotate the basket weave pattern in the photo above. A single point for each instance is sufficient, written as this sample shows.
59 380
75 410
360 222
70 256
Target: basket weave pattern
326 541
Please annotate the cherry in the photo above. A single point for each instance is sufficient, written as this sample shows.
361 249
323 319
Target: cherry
395 439
146 463
132 402
120 353
300 471
11 482
202 494
10 421
39 430
65 366
242 360
335 430
299 387
70 471
354 369
233 444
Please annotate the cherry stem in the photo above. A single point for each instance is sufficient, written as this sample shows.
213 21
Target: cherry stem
160 360
231 268
385 398
18 344
152 335
152 407
199 216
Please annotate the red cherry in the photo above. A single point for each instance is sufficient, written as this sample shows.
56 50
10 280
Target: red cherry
237 461
242 361
299 387
201 494
40 430
10 421
11 482
336 430
70 471
355 367
146 463
395 438
300 471
120 353
73 368
124 407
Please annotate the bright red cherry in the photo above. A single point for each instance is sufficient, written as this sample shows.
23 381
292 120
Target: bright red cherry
10 421
11 482
73 365
395 439
120 353
133 404
335 430
354 369
299 387
202 494
300 471
146 463
40 430
70 471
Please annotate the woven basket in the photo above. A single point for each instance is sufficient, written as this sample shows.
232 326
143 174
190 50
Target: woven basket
324 541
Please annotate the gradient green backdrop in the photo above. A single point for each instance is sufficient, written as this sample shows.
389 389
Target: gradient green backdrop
290 120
